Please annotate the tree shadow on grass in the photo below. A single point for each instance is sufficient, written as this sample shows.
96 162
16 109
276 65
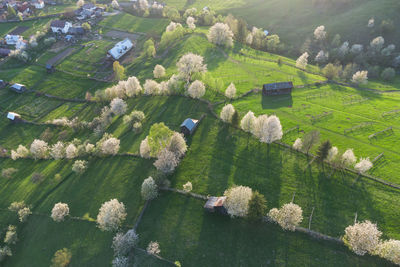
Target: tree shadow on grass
275 102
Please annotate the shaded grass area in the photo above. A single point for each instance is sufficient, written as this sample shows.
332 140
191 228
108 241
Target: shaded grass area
187 233
133 24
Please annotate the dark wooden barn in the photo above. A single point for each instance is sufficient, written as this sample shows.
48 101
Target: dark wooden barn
216 204
283 88
189 126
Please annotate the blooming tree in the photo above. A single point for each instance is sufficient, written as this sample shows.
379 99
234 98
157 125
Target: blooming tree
79 166
230 92
153 248
124 243
110 146
390 250
71 151
320 33
187 187
151 87
149 189
272 130
237 200
248 122
348 158
302 61
39 149
132 87
197 89
177 145
59 211
298 144
190 64
332 154
145 148
288 216
362 237
24 213
191 23
220 34
118 106
115 4
21 152
166 161
173 26
227 113
377 43
360 77
159 71
11 235
111 215
57 150
363 165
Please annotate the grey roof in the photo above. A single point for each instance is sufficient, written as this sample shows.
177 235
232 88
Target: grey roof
58 23
189 124
5 51
277 86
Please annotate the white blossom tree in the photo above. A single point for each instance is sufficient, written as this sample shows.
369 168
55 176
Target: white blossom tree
360 77
159 71
133 87
187 187
220 34
197 89
145 148
59 212
321 57
80 3
149 189
288 216
298 144
249 39
332 154
248 122
227 113
111 215
39 149
21 152
79 166
377 43
260 124
177 144
120 261
71 151
153 248
320 33
348 158
356 49
24 213
173 26
166 161
115 4
118 106
230 92
363 165
190 64
11 235
362 237
237 200
190 21
151 87
302 61
124 243
110 146
272 130
57 150
390 250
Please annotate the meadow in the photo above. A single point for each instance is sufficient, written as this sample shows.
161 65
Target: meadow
218 157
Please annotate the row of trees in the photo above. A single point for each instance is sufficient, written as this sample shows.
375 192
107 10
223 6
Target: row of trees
39 149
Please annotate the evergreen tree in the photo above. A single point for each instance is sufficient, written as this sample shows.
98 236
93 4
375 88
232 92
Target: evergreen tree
257 206
323 150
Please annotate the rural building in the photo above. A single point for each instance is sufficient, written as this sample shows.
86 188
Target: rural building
50 68
38 4
120 49
4 52
216 204
12 116
12 39
189 126
60 26
19 88
283 88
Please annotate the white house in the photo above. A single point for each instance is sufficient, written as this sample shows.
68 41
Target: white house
120 49
39 4
60 26
12 39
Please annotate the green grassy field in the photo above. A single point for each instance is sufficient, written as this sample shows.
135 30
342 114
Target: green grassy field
34 26
129 23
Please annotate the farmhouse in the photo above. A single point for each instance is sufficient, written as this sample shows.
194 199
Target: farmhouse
12 116
283 88
12 39
120 49
60 26
189 126
216 204
19 88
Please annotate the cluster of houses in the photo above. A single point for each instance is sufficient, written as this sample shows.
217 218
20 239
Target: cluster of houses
26 8
89 11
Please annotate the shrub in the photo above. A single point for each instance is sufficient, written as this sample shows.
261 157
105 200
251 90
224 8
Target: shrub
111 215
37 177
187 187
61 258
153 248
257 206
149 189
16 206
23 214
388 74
298 144
79 166
59 211
360 77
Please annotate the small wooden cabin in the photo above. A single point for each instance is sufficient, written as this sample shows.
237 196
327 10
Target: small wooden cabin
19 88
216 204
189 126
12 116
50 68
283 88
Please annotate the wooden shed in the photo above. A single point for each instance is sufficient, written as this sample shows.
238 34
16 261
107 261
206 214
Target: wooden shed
283 88
50 68
19 88
12 116
189 126
216 204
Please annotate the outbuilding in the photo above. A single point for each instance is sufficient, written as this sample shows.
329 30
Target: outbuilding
50 68
60 26
120 49
188 126
282 88
19 88
216 204
12 116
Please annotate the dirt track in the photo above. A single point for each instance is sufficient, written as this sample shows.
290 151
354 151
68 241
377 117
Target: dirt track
122 35
61 56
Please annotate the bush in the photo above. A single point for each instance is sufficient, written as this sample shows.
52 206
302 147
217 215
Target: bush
149 189
257 206
23 214
124 243
61 258
37 178
388 74
11 235
8 173
79 166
